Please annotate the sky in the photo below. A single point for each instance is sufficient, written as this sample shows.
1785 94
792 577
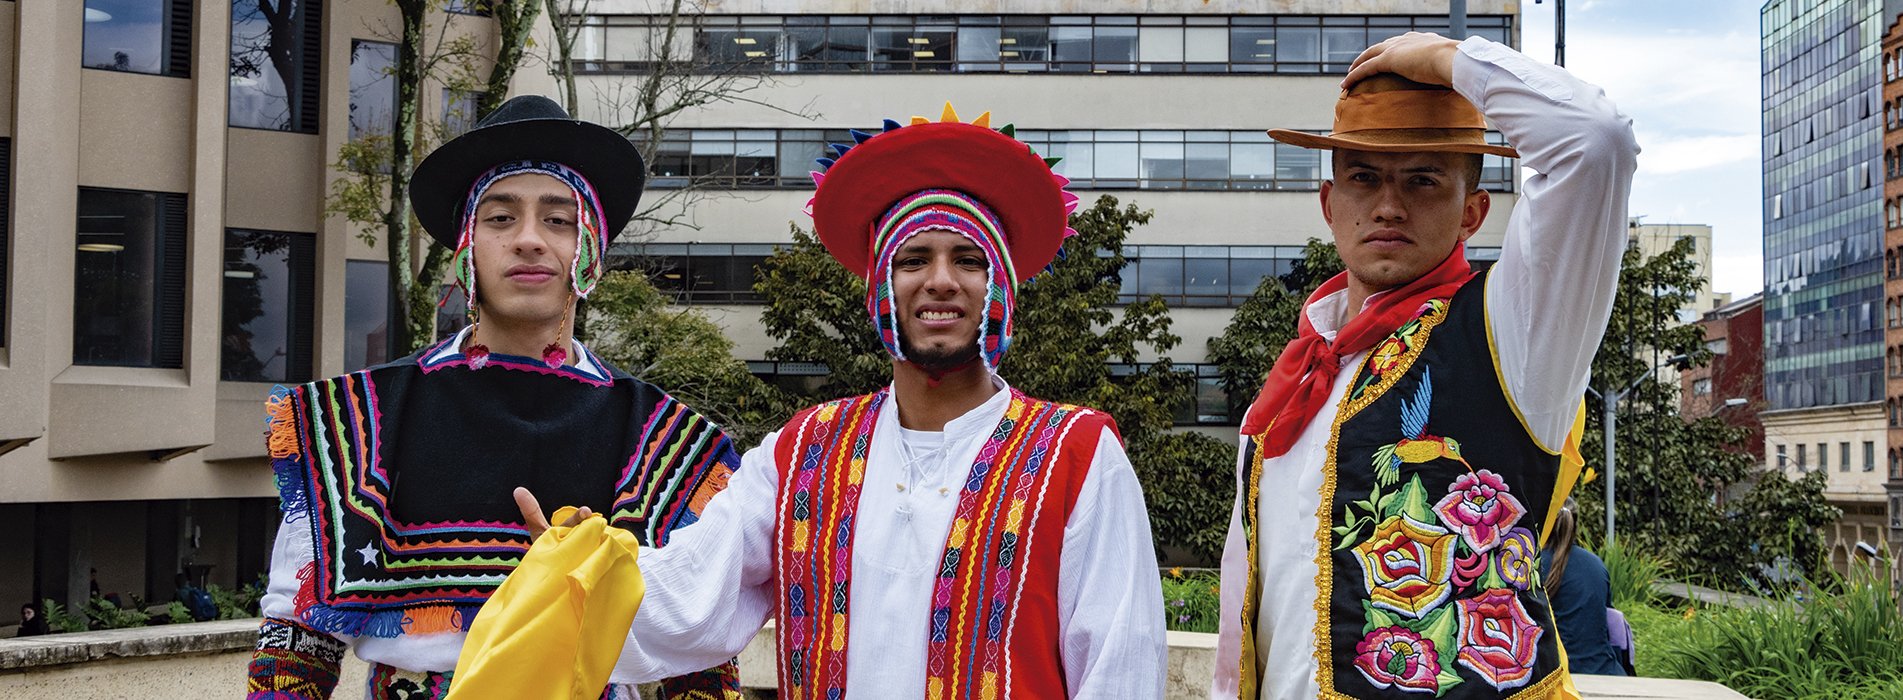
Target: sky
1687 73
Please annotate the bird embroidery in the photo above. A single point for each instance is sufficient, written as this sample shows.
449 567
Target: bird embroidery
1416 446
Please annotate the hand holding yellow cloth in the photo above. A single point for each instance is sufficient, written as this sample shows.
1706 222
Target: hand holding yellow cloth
554 629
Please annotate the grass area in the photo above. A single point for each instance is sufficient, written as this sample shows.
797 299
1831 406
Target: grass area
1841 645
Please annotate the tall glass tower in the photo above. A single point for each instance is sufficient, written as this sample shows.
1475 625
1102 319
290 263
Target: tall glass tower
1823 195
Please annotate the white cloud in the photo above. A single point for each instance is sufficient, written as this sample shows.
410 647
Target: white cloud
1666 155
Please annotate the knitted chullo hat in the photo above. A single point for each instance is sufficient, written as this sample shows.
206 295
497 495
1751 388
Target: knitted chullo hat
969 179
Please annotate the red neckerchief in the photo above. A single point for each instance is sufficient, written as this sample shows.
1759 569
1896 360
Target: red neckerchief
1299 384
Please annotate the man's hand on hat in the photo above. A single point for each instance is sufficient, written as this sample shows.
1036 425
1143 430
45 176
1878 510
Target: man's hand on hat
1420 57
532 514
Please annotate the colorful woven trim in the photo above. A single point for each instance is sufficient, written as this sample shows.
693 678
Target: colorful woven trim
293 662
682 461
944 210
975 599
591 236
373 575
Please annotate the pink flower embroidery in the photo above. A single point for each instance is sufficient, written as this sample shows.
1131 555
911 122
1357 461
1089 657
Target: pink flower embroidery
1498 639
1397 657
1478 506
1469 569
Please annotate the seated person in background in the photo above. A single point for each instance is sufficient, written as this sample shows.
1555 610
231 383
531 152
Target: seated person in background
1581 593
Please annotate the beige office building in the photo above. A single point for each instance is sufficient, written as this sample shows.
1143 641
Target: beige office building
165 260
167 257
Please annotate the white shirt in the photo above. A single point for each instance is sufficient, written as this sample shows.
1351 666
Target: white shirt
1548 299
711 589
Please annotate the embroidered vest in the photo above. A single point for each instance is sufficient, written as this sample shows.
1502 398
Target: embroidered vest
1434 502
994 606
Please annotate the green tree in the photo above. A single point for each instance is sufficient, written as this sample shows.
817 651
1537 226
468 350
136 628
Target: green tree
678 349
1266 321
373 192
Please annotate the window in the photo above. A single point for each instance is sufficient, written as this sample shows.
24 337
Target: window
137 36
372 89
366 314
459 111
1869 454
1701 386
1896 465
1783 458
1896 512
1843 457
1801 454
1160 159
268 300
1007 43
703 273
275 47
1823 456
129 279
478 8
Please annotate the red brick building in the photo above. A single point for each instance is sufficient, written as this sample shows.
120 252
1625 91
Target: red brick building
1732 386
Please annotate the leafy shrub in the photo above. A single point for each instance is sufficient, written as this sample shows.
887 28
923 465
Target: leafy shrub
236 604
107 616
176 613
1845 643
1633 571
58 620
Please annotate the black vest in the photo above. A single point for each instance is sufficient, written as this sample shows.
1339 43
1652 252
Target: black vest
1435 497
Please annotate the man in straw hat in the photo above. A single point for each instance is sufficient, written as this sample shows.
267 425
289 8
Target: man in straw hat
396 480
946 536
1404 457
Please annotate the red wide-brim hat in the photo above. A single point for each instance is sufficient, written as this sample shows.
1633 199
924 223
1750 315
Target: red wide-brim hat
999 171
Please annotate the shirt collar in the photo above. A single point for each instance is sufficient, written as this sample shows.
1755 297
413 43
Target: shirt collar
980 418
1326 313
584 360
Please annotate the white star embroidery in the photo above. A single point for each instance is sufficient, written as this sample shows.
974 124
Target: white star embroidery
369 553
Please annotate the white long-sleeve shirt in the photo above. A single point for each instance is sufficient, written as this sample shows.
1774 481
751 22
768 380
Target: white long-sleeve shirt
1548 299
711 589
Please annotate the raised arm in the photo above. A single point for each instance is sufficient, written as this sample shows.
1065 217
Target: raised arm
1550 295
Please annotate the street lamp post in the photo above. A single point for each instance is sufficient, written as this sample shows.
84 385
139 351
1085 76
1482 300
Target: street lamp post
1609 419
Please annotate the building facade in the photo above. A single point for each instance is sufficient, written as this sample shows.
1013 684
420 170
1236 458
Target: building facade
1732 385
1825 191
1893 266
165 259
1159 104
1652 239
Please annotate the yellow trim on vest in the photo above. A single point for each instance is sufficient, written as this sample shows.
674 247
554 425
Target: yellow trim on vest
1571 464
1493 355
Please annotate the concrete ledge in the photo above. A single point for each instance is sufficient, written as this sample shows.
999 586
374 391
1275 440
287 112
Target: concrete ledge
160 640
208 659
1708 596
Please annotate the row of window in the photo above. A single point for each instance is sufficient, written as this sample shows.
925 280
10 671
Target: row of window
1004 43
1804 463
1092 158
1184 275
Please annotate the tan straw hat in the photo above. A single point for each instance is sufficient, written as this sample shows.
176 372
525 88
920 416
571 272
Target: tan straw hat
1391 114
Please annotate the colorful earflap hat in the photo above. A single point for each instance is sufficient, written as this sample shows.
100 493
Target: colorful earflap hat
946 175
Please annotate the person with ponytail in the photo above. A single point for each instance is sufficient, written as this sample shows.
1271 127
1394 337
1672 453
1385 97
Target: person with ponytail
1581 593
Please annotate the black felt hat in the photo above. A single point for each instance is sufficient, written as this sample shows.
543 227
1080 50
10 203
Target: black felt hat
530 127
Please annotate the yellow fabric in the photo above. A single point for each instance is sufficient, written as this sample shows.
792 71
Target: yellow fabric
553 630
1572 465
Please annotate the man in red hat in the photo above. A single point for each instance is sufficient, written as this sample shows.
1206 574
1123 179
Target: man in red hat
1404 459
946 536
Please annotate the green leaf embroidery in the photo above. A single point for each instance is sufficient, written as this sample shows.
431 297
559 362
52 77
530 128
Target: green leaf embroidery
1414 502
1376 618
